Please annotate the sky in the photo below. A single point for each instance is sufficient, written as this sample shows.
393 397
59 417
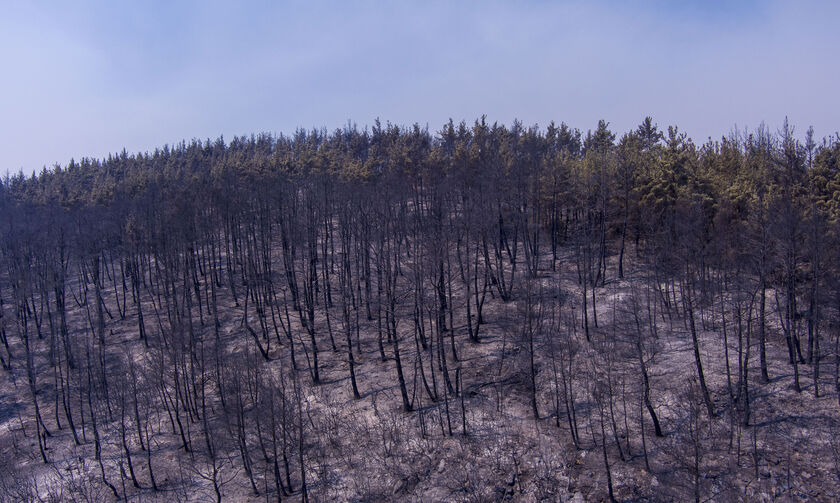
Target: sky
84 79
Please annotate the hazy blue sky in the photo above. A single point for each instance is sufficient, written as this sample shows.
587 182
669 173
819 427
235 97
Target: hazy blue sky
84 79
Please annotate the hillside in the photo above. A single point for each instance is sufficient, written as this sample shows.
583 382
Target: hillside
482 314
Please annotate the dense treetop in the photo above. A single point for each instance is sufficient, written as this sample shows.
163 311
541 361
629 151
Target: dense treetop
645 180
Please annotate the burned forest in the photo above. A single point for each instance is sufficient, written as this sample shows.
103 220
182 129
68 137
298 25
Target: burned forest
483 312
